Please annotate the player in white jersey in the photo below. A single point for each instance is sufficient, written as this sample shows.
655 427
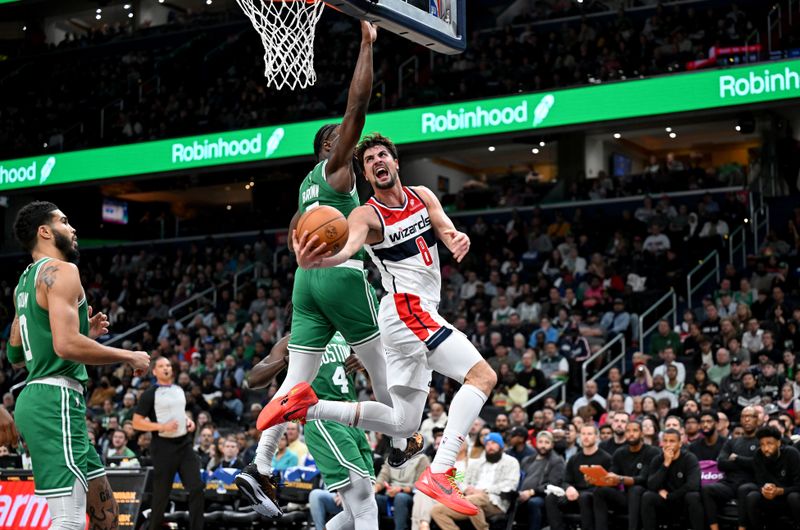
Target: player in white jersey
400 226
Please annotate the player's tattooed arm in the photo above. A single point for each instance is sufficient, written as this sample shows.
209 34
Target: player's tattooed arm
14 350
47 276
269 367
101 505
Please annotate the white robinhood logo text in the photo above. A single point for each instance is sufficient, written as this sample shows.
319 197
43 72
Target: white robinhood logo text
753 83
27 173
213 149
479 117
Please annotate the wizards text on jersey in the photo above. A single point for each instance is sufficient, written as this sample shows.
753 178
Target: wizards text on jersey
403 232
407 256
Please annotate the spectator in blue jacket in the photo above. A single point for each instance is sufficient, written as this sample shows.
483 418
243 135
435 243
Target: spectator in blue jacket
616 321
550 333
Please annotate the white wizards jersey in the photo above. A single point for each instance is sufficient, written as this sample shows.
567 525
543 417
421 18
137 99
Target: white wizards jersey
407 256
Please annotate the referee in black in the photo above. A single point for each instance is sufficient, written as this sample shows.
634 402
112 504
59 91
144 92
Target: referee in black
162 410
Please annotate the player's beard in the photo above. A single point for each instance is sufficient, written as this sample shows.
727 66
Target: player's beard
67 248
387 185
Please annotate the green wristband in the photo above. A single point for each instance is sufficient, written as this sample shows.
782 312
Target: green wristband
15 354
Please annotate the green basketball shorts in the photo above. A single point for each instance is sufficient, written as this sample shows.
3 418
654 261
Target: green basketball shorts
338 450
329 300
52 421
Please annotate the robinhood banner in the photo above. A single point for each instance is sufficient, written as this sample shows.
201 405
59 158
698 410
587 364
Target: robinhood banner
521 112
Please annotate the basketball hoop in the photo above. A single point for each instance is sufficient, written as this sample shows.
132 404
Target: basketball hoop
287 30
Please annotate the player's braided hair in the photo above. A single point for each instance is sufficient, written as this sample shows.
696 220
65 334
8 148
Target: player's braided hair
371 140
29 219
321 136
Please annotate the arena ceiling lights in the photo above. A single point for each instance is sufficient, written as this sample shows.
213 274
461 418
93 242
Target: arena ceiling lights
762 82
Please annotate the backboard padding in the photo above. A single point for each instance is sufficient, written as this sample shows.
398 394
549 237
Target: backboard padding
444 34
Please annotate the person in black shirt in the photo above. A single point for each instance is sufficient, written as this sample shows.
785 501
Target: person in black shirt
430 451
769 381
673 485
735 460
578 495
709 446
750 394
711 325
629 467
770 350
162 411
618 425
545 468
517 444
732 383
777 476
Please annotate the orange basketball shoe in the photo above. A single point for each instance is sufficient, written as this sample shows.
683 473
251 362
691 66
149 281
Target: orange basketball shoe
293 406
442 487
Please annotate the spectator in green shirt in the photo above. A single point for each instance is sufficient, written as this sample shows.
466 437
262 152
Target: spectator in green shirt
664 338
119 447
722 368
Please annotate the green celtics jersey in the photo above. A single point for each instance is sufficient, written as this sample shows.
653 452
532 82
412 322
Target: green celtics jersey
315 191
332 383
37 338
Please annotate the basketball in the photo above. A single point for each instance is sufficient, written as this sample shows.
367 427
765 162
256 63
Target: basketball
328 224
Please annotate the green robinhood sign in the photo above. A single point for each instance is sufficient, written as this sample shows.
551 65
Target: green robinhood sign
520 112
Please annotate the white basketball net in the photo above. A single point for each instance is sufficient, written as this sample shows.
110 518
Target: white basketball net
287 31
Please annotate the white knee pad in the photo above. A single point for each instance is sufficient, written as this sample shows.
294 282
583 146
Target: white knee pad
69 511
454 357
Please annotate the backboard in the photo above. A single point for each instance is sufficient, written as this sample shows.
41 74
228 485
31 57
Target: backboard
436 24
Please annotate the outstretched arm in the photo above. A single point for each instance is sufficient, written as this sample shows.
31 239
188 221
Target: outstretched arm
270 366
457 242
340 165
360 222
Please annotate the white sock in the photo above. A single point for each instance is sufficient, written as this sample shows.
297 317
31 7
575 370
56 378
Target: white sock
466 406
267 445
339 411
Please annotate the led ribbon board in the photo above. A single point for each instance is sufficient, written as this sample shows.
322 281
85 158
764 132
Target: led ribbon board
728 87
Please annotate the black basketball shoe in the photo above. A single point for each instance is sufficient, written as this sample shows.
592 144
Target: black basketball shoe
259 491
414 445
